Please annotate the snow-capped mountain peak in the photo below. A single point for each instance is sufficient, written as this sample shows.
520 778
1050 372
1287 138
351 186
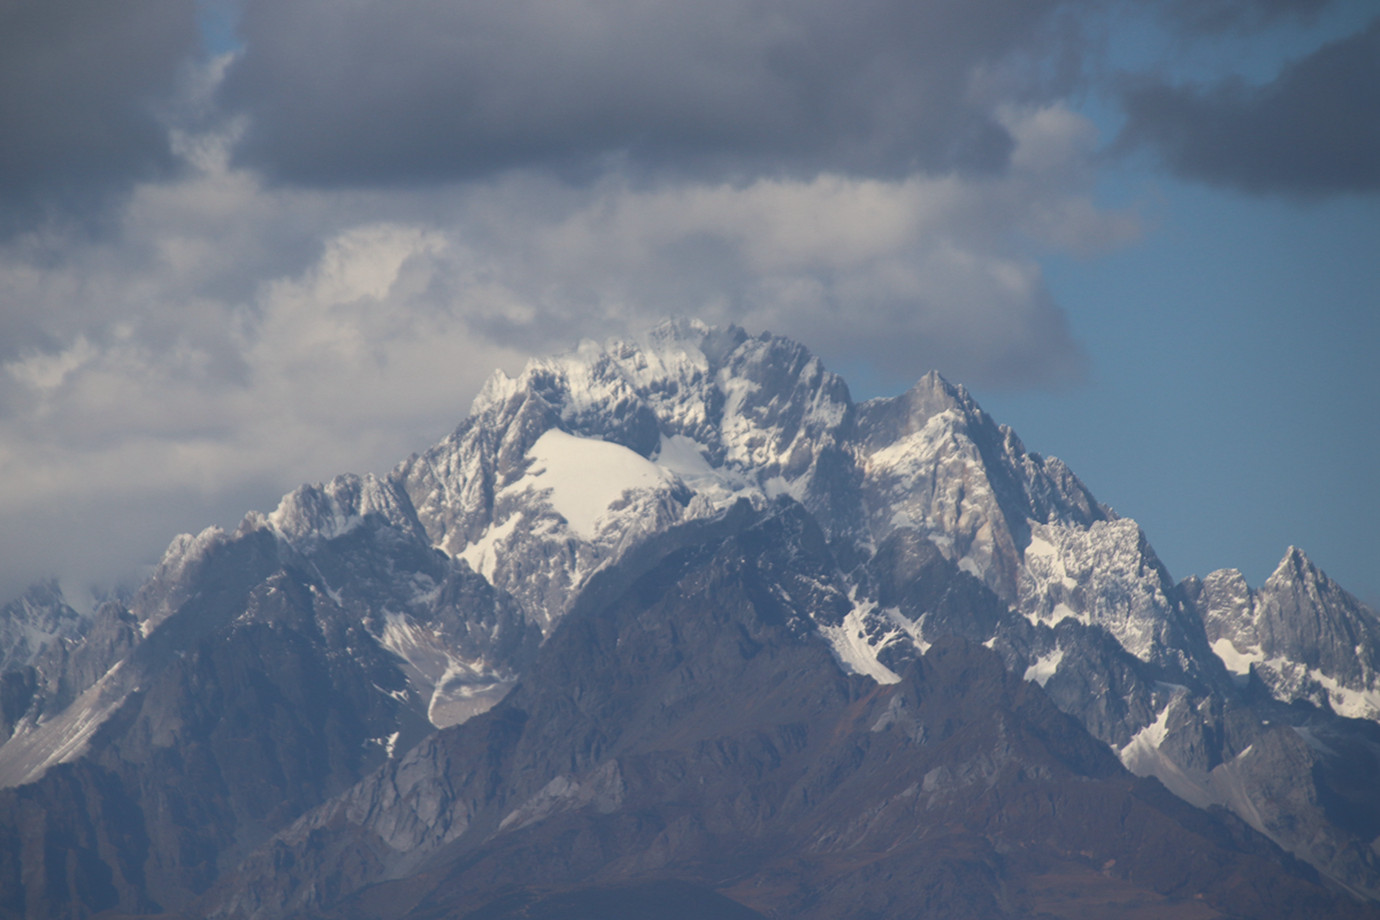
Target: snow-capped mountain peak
875 530
332 509
34 619
1300 633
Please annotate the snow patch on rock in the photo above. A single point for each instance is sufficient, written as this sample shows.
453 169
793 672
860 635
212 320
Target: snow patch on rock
1044 667
583 477
855 653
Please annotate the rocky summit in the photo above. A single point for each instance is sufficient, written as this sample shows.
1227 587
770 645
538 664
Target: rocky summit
675 628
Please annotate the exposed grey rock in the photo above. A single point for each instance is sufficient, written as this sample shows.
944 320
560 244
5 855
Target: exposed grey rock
421 599
33 620
1300 634
684 722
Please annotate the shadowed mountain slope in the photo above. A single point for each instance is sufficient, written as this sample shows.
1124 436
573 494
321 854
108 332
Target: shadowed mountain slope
686 729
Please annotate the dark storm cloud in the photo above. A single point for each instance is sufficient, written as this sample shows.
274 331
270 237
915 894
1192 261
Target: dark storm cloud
1224 15
1314 130
80 86
410 91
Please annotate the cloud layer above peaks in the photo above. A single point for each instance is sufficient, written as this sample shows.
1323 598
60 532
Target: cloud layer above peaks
248 243
416 91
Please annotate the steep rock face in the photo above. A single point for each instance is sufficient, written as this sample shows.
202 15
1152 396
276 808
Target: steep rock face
31 621
1294 773
934 461
1300 634
460 642
688 421
218 576
39 635
712 414
685 721
1107 576
212 752
287 660
66 666
920 519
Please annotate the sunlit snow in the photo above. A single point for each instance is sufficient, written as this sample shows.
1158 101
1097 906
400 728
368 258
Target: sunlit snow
1237 662
1043 668
585 476
482 554
1347 701
689 460
855 654
29 754
856 651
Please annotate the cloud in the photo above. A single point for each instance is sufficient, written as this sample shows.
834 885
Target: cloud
178 413
1313 130
905 275
304 256
1216 16
379 92
229 338
81 86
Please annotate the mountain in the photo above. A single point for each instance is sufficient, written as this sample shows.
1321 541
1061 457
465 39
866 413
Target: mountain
1300 634
37 620
688 722
685 607
32 621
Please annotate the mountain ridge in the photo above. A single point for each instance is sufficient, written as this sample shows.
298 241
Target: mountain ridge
599 672
427 594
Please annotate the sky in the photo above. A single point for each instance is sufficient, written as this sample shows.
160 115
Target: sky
246 244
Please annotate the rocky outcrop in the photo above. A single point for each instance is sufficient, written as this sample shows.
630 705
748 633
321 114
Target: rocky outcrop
422 599
685 723
1300 634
